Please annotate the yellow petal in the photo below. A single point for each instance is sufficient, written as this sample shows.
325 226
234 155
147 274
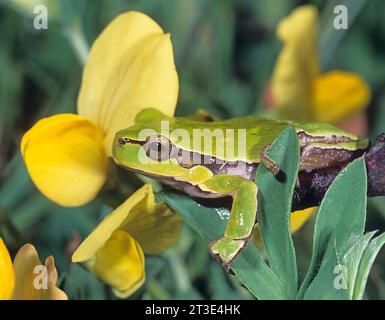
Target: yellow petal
65 157
130 67
51 269
138 213
7 276
339 95
53 292
297 64
120 263
155 231
298 218
35 281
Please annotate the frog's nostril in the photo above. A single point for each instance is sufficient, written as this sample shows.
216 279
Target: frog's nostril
122 141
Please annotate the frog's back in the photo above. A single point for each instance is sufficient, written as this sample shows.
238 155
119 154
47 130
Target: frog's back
243 139
240 139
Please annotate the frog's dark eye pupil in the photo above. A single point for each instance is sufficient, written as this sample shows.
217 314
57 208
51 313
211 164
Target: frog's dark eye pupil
156 146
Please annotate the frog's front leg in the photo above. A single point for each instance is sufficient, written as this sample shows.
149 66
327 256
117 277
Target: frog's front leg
242 215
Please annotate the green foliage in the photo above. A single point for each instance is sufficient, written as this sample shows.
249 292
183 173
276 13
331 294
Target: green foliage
210 223
341 252
79 284
366 262
340 217
225 52
274 208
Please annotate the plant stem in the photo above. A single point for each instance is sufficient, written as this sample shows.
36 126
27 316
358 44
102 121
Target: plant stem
76 37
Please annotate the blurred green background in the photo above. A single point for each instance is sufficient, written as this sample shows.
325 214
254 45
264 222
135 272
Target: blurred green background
225 52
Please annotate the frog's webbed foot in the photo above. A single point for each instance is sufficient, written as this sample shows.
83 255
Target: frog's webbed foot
226 249
242 216
269 163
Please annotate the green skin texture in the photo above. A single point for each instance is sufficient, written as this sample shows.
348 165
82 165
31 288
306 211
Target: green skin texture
260 132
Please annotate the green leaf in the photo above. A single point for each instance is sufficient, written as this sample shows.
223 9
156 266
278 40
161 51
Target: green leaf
331 280
256 276
17 185
210 222
79 284
274 207
220 287
352 258
341 214
365 265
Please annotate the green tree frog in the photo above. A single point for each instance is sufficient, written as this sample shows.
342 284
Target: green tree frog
217 159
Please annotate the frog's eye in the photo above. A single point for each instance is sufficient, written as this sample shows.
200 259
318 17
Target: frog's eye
157 148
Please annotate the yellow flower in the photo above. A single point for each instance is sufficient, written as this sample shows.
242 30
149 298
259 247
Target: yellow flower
7 275
18 282
130 67
298 218
114 251
299 91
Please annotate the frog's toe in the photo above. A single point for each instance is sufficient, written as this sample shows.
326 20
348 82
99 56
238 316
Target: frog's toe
226 249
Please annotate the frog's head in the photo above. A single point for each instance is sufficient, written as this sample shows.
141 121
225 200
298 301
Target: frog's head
141 146
144 148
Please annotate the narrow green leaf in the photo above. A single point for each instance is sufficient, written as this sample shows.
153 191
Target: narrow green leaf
220 287
352 258
331 280
80 284
17 185
256 276
274 207
365 265
210 222
341 214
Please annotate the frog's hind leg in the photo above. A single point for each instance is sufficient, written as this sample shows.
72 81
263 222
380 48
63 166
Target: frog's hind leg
242 216
269 163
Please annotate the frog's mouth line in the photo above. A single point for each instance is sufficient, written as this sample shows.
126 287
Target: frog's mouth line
311 156
186 158
189 159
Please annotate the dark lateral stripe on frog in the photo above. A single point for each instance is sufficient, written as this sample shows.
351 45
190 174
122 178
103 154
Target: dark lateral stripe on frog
216 166
188 159
311 156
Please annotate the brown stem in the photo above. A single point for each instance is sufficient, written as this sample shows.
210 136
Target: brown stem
311 186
